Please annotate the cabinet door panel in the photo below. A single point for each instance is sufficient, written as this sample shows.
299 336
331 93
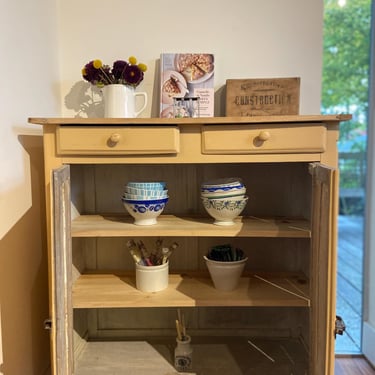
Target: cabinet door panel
62 313
323 269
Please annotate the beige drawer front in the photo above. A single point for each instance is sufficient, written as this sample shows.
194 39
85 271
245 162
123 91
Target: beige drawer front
118 140
272 138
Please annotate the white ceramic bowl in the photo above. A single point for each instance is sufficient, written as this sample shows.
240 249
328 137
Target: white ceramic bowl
225 275
145 212
224 211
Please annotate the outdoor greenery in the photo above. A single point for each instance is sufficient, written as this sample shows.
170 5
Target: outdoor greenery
346 65
346 61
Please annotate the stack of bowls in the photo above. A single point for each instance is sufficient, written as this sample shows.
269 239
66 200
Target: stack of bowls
145 201
224 199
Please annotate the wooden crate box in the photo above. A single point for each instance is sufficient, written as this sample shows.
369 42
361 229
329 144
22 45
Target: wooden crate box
262 96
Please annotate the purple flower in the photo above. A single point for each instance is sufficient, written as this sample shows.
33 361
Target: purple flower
133 75
90 73
97 76
118 69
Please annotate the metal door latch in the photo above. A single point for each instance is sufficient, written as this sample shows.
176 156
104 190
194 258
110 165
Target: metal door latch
339 326
48 324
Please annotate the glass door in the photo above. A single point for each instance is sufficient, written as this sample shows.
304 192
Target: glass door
345 90
368 337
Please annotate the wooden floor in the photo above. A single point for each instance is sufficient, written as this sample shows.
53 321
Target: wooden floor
353 366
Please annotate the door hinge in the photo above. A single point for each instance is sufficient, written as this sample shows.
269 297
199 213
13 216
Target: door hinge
48 324
339 326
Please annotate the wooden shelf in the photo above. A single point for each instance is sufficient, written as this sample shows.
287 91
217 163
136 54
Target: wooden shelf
169 225
115 290
122 357
211 356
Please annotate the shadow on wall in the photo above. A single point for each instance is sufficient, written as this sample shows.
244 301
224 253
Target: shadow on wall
24 279
85 99
219 100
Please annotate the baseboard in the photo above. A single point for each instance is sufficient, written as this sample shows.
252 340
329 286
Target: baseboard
368 342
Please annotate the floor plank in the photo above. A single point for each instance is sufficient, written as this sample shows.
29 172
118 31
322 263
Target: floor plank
353 366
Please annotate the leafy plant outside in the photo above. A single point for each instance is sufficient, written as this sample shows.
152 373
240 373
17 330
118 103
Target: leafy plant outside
345 82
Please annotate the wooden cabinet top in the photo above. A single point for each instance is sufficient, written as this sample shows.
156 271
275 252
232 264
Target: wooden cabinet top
193 121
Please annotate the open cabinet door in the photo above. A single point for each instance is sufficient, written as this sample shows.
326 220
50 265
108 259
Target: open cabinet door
323 269
61 274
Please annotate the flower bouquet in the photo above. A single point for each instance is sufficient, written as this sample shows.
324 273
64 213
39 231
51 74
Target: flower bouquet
127 73
117 84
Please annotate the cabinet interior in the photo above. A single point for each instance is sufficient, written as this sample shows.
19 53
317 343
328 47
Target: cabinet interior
274 189
277 191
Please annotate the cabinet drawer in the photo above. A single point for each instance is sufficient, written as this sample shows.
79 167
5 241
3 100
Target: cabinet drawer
118 140
272 138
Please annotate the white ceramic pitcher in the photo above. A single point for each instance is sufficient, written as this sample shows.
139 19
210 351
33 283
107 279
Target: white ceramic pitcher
120 101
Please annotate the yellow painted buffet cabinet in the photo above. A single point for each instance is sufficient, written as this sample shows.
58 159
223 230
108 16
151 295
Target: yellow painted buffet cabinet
281 317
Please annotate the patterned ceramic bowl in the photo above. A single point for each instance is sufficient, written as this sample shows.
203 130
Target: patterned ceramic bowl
160 185
222 183
156 194
145 212
224 211
230 185
224 194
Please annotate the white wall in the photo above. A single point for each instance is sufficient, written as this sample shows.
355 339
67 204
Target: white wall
29 87
250 39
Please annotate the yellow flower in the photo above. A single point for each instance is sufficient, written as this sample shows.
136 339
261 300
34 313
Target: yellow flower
97 64
142 67
132 60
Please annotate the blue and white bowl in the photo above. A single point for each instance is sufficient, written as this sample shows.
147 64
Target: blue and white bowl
224 211
230 186
145 212
223 189
160 185
145 192
222 183
155 194
219 194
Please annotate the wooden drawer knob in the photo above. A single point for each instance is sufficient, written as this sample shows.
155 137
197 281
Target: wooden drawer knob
115 138
264 136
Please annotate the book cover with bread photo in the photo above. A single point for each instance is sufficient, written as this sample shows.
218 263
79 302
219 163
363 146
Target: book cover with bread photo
187 75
